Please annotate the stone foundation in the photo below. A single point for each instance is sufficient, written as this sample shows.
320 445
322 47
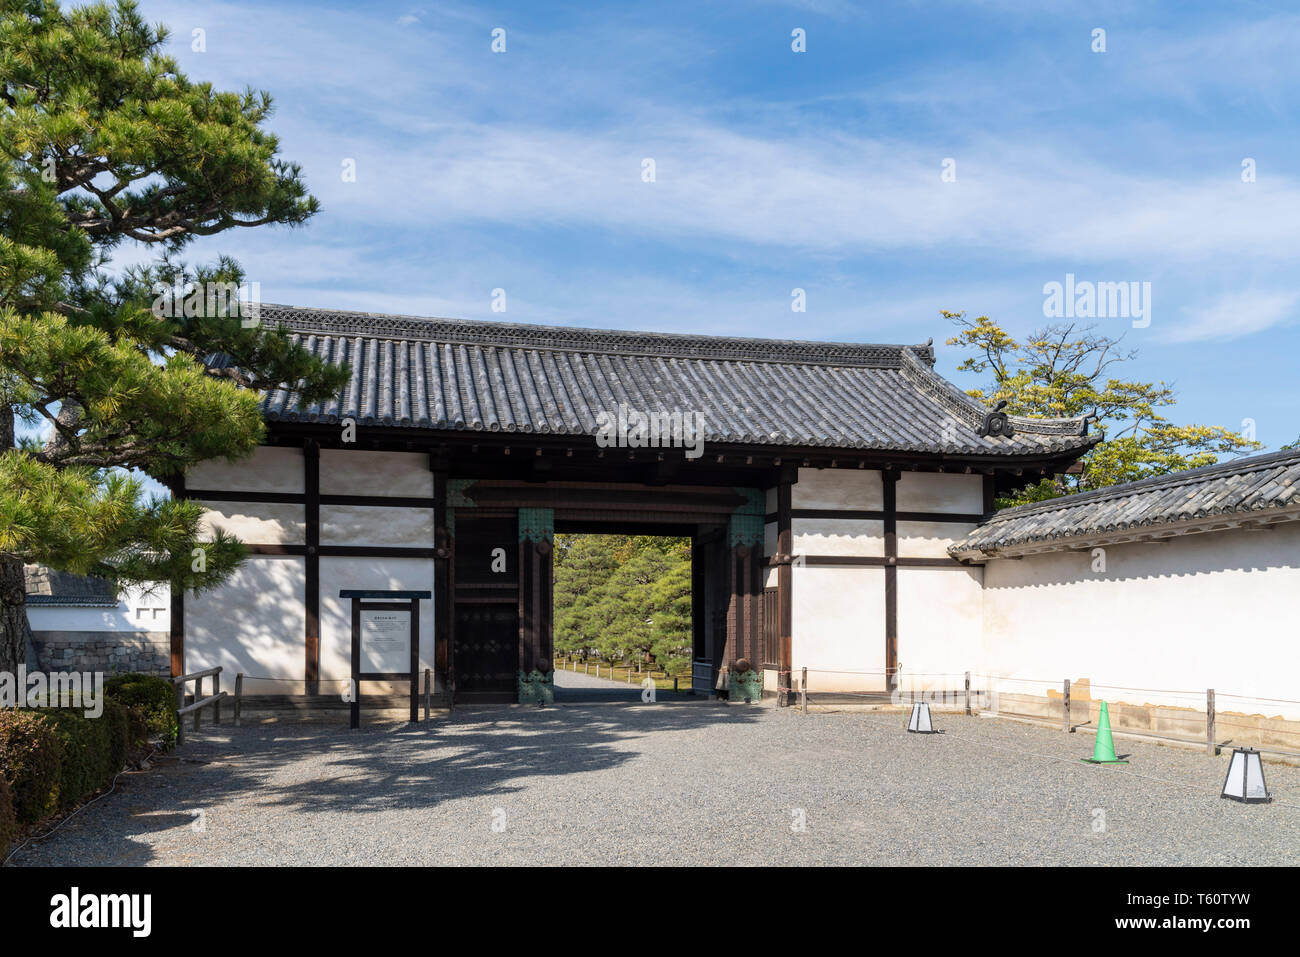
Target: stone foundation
148 652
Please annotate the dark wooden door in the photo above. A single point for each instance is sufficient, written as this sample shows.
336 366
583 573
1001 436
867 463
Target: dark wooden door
486 633
487 651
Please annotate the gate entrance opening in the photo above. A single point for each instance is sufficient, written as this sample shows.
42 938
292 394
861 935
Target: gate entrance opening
502 588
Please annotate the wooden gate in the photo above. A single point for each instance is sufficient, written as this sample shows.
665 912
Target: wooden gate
485 639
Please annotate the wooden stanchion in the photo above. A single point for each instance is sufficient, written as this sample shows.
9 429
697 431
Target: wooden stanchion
1210 748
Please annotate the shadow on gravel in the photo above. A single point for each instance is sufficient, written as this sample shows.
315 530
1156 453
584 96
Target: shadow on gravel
473 753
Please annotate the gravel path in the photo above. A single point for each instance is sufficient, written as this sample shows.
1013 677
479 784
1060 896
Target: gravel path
574 680
675 783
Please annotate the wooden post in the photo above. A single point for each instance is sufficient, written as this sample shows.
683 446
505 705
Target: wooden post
428 692
198 696
239 695
216 690
1065 708
968 694
784 591
803 692
1210 749
674 684
889 479
180 703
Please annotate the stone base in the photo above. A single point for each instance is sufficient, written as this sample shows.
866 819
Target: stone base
148 652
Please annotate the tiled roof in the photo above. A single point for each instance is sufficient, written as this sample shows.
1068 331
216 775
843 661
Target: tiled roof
445 374
46 586
72 601
1258 486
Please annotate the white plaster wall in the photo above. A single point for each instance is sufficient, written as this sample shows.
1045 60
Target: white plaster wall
254 623
1214 610
268 469
940 624
839 626
376 525
257 523
838 488
928 539
137 610
940 492
358 472
336 613
837 536
770 539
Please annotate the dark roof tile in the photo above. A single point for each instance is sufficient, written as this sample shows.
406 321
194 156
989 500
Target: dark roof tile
445 374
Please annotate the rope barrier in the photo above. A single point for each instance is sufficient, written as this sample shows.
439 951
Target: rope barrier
41 837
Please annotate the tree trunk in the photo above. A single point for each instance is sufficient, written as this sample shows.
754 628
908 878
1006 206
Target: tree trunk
15 632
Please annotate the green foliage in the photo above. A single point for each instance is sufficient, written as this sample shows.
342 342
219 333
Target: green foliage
84 759
152 698
30 753
104 140
1065 371
624 598
8 822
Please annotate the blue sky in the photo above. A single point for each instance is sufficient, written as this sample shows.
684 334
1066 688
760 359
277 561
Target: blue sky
775 170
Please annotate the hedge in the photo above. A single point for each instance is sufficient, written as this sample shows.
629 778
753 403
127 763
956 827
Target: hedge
153 697
51 759
94 749
30 754
8 823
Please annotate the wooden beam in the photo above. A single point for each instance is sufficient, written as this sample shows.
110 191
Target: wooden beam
176 625
890 483
441 571
311 596
784 591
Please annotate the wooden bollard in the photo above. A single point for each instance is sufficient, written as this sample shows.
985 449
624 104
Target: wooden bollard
180 703
198 696
239 695
968 694
1065 707
1209 722
428 692
216 705
803 691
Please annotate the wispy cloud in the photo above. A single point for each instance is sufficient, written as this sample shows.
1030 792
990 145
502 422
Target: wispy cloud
1235 315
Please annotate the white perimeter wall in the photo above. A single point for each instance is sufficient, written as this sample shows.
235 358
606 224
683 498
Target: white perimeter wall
137 610
839 610
252 624
1213 610
255 623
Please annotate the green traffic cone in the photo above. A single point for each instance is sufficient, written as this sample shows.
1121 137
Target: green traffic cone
1104 751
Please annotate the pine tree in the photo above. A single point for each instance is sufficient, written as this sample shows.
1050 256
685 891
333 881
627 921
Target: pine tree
104 140
624 598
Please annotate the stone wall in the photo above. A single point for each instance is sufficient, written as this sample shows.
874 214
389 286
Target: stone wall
148 652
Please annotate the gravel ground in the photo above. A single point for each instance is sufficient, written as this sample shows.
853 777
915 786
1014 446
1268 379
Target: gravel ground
674 783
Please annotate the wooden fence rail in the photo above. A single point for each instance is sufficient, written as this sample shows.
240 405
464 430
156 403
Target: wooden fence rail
198 702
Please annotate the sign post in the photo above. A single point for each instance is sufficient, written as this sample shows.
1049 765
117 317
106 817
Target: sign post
385 642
